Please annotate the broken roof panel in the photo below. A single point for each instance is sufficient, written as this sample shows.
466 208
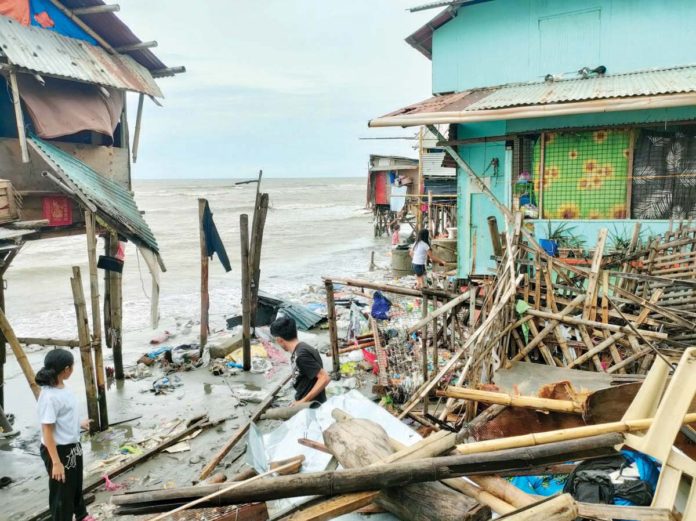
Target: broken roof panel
636 90
44 52
114 204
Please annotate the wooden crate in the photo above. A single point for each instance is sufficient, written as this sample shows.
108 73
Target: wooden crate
8 205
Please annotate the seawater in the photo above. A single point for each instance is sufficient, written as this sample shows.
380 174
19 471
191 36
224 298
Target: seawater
314 227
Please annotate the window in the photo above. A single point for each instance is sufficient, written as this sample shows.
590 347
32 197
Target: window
664 174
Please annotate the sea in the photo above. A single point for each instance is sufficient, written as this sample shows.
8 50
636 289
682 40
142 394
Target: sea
314 227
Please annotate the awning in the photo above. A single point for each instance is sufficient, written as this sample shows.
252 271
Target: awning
654 89
36 50
112 203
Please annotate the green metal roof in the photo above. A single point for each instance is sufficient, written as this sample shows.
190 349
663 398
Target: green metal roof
112 202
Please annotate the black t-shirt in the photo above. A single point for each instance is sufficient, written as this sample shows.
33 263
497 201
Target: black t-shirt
306 364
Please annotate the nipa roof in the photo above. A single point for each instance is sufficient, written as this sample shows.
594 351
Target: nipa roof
37 50
657 88
113 203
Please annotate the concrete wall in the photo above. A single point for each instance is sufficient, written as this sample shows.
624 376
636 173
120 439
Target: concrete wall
505 41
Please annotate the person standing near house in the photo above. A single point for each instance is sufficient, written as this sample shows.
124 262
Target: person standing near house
60 438
420 254
309 378
395 234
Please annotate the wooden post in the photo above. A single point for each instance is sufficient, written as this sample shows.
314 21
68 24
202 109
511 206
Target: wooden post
259 222
107 296
19 115
3 346
91 231
205 298
333 333
138 125
21 357
246 290
116 307
424 349
495 236
85 348
430 213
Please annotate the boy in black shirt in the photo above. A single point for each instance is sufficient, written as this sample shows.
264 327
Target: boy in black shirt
308 375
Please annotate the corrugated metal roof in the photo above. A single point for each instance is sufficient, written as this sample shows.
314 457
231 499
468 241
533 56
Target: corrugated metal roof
432 165
481 104
114 203
110 27
46 52
643 83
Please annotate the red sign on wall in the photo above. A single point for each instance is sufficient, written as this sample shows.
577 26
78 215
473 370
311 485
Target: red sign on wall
58 210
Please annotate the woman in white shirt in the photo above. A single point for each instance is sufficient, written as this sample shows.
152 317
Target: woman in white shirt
420 253
60 438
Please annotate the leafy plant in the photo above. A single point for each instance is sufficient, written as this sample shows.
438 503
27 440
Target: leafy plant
565 236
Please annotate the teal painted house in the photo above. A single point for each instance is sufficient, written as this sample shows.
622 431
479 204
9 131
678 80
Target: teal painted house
572 111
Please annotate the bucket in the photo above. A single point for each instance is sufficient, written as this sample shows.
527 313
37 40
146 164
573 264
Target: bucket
401 262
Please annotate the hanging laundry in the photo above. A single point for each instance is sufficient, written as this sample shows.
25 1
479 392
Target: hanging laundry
213 242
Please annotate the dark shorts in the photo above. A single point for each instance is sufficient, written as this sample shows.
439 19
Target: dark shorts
418 269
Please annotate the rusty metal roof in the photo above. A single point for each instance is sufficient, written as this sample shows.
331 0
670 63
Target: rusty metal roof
110 27
485 103
45 52
643 83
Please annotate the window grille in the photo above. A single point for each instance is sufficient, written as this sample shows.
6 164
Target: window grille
664 174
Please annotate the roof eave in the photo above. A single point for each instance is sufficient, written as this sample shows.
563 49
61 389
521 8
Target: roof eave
537 111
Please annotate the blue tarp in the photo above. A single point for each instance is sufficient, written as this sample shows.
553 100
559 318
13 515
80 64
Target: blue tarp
62 24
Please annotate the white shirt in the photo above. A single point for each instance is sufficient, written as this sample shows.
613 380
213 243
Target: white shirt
59 407
420 253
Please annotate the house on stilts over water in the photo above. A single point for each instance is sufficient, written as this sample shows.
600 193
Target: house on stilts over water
66 68
580 114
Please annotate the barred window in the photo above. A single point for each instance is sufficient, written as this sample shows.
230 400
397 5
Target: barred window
664 174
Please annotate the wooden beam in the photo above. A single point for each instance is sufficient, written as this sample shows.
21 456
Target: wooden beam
556 508
596 511
168 71
138 126
53 342
137 46
239 433
82 25
333 328
19 353
96 9
438 312
19 116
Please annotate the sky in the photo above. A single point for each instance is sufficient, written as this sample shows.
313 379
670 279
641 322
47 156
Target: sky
286 86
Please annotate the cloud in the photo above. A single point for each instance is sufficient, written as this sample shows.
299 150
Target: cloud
284 85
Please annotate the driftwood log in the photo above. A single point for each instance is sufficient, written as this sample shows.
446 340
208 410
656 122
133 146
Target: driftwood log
357 443
383 476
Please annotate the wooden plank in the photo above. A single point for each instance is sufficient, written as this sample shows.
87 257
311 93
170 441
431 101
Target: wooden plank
556 508
246 290
239 433
333 329
596 511
19 116
53 342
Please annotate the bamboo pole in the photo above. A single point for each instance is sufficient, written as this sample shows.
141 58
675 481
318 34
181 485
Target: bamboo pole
541 438
529 402
91 233
205 297
597 325
19 115
438 312
116 306
333 330
85 348
19 353
53 342
246 290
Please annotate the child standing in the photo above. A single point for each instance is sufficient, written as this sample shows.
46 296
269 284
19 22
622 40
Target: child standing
420 253
395 235
60 438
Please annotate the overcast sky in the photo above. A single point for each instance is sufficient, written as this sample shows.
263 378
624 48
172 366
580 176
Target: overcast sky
283 85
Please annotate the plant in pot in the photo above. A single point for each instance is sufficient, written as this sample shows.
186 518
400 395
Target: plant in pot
562 241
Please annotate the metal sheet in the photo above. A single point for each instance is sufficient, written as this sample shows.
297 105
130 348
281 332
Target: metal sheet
37 50
114 203
645 83
432 165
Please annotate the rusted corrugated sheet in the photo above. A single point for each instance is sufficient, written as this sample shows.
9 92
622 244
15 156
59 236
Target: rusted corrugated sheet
645 83
45 52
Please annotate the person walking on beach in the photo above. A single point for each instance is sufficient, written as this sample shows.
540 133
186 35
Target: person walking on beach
309 378
60 438
420 254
